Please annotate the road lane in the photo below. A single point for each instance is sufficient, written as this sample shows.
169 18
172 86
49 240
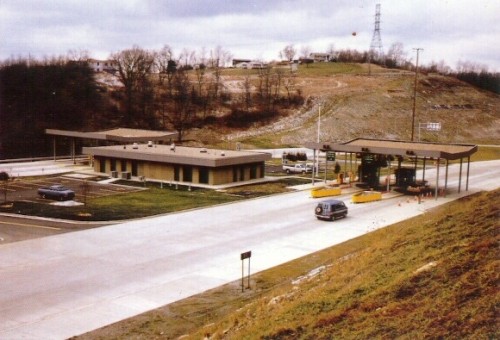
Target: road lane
15 228
28 225
68 284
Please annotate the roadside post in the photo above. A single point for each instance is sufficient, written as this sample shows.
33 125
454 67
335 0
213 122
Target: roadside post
244 256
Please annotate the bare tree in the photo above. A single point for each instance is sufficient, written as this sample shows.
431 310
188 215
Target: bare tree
289 84
187 57
439 67
471 67
218 59
305 53
396 55
182 111
288 52
276 83
78 55
134 67
162 60
247 85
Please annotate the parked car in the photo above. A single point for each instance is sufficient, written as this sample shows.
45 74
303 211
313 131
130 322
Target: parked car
297 168
56 192
330 210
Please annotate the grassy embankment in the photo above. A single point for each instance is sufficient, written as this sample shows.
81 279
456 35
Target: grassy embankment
434 276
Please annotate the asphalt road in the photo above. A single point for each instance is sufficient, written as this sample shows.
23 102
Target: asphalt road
59 286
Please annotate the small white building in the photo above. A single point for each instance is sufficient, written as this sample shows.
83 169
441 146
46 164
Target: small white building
102 65
319 57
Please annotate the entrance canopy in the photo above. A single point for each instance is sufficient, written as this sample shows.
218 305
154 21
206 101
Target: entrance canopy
399 148
414 151
123 135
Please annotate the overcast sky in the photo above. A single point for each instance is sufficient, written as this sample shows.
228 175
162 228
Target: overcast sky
453 30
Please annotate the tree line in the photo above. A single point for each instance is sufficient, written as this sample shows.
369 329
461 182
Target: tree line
38 96
159 92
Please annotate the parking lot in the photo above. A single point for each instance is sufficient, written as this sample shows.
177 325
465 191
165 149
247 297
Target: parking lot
26 189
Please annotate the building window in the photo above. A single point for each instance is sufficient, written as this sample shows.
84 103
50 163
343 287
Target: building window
102 165
203 175
113 164
176 173
242 173
124 165
253 171
187 174
134 168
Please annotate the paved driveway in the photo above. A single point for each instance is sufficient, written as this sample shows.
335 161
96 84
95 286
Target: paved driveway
68 284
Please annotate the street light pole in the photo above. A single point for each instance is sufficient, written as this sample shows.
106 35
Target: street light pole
415 94
315 170
319 121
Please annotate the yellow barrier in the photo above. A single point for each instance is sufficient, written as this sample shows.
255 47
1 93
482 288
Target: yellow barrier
325 191
366 196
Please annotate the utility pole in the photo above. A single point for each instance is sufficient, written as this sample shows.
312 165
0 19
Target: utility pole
415 94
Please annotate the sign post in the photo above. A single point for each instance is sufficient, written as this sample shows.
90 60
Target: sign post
245 255
435 127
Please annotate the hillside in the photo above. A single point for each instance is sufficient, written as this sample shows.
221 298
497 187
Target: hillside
433 276
355 104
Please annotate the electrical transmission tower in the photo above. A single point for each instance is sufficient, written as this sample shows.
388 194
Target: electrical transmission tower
376 46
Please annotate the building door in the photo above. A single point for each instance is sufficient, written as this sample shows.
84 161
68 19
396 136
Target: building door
176 173
134 168
187 173
203 175
253 171
102 165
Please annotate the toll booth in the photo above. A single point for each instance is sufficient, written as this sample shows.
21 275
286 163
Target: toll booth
405 177
369 169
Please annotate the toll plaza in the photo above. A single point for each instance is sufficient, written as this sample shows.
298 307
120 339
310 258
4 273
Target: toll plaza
401 159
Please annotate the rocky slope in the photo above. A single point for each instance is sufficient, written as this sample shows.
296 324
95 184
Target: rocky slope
378 105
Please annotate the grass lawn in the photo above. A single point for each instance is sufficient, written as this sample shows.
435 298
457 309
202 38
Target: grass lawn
153 201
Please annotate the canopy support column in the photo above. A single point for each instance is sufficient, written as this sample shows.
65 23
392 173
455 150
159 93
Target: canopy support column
460 177
54 147
423 171
314 166
446 179
73 157
468 169
437 179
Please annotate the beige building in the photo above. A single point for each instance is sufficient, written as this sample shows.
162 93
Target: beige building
178 164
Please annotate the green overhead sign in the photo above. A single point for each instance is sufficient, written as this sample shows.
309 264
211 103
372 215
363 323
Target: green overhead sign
330 155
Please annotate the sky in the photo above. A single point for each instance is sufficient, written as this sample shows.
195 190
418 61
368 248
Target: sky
449 31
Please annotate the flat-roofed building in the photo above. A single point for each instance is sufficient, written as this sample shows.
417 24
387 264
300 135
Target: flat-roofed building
178 164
